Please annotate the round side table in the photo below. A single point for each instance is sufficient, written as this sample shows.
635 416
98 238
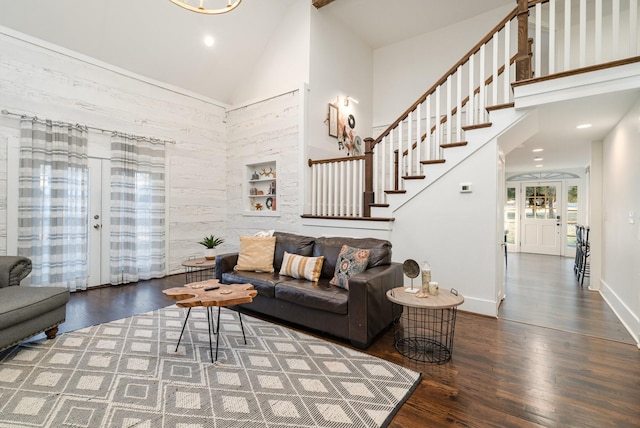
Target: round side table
424 331
197 270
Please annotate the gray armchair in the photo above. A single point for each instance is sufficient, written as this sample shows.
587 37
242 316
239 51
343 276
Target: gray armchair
26 311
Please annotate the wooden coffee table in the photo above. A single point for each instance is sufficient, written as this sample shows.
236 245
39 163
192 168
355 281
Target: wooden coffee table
196 294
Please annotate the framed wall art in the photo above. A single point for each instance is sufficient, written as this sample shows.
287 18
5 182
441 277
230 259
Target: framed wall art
333 120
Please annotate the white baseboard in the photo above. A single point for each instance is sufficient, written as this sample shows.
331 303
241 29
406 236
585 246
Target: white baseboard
626 316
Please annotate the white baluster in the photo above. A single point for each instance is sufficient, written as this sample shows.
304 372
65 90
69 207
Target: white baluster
567 35
343 209
400 144
360 192
324 189
419 139
314 189
633 28
383 172
538 41
331 190
615 28
391 170
481 79
495 54
428 142
583 33
598 32
349 186
459 103
470 106
449 108
436 135
376 172
409 144
506 78
552 36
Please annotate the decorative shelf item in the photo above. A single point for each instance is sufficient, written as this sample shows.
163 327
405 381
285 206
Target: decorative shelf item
260 188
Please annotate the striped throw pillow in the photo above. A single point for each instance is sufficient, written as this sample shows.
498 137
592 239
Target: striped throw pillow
301 267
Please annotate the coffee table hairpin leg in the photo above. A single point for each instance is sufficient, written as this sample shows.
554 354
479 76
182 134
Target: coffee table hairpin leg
183 326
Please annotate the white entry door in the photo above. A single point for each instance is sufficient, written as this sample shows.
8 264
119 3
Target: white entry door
541 223
98 221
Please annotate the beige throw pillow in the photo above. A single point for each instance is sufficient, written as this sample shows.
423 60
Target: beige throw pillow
302 267
256 253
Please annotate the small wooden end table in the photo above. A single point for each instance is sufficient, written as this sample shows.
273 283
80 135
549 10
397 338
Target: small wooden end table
196 294
425 329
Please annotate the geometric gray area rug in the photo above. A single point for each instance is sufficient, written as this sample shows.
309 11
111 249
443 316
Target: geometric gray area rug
126 373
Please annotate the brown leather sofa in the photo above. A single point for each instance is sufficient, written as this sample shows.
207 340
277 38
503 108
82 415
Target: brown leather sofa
358 314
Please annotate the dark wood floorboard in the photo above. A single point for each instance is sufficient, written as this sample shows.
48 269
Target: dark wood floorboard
543 291
503 373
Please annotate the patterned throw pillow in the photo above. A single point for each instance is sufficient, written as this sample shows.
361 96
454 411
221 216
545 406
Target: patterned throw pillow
256 253
302 267
351 261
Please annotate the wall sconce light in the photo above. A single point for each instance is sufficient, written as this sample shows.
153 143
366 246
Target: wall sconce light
347 99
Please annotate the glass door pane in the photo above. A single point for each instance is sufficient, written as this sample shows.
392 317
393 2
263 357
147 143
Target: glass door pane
572 215
510 210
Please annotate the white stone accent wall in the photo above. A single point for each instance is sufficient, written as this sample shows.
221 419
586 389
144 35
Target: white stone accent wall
43 80
264 131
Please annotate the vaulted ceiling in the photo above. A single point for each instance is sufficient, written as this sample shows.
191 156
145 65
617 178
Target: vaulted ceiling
157 39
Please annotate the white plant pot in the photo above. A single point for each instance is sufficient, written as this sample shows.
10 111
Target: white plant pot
210 253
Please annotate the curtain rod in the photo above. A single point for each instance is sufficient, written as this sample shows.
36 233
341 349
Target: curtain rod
6 112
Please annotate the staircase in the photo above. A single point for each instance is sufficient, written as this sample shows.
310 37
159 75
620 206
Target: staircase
473 103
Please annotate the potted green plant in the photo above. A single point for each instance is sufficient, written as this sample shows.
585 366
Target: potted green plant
210 243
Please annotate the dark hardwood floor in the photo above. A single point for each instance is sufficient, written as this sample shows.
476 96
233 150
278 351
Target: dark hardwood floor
504 372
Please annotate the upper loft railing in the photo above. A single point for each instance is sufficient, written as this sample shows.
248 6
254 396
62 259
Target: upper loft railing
538 38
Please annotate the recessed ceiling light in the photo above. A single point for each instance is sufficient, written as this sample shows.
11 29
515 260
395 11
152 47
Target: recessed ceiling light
208 40
539 165
537 150
584 126
537 159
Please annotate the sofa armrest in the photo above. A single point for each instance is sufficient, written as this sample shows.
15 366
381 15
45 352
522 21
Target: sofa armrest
370 311
13 269
225 263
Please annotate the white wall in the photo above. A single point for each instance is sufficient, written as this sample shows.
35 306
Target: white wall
456 232
264 131
42 81
403 71
340 65
620 283
285 61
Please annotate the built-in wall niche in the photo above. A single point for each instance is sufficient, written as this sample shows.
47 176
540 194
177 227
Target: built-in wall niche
261 188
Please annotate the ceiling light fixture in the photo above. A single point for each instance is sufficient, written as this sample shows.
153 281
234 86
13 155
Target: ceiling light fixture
537 150
208 10
208 40
537 159
539 165
584 126
346 101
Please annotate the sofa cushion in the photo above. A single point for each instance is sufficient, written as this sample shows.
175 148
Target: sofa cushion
379 255
292 244
301 267
256 254
263 282
317 295
351 261
21 303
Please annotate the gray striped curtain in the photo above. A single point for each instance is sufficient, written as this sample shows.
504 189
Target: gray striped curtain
52 204
137 209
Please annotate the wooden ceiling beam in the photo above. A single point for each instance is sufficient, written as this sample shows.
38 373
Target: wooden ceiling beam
320 3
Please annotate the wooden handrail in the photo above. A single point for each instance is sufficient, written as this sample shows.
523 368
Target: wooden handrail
443 79
333 160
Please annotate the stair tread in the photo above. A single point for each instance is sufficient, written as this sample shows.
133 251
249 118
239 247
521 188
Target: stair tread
432 161
450 145
477 126
379 205
336 217
390 192
500 106
413 177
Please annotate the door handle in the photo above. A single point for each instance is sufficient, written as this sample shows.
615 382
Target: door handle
96 226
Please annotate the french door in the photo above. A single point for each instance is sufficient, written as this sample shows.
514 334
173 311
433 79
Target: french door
98 221
541 218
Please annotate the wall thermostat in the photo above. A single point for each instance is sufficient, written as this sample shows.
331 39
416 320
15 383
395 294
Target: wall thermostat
465 187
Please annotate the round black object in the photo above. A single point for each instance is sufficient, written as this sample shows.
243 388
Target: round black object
351 121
